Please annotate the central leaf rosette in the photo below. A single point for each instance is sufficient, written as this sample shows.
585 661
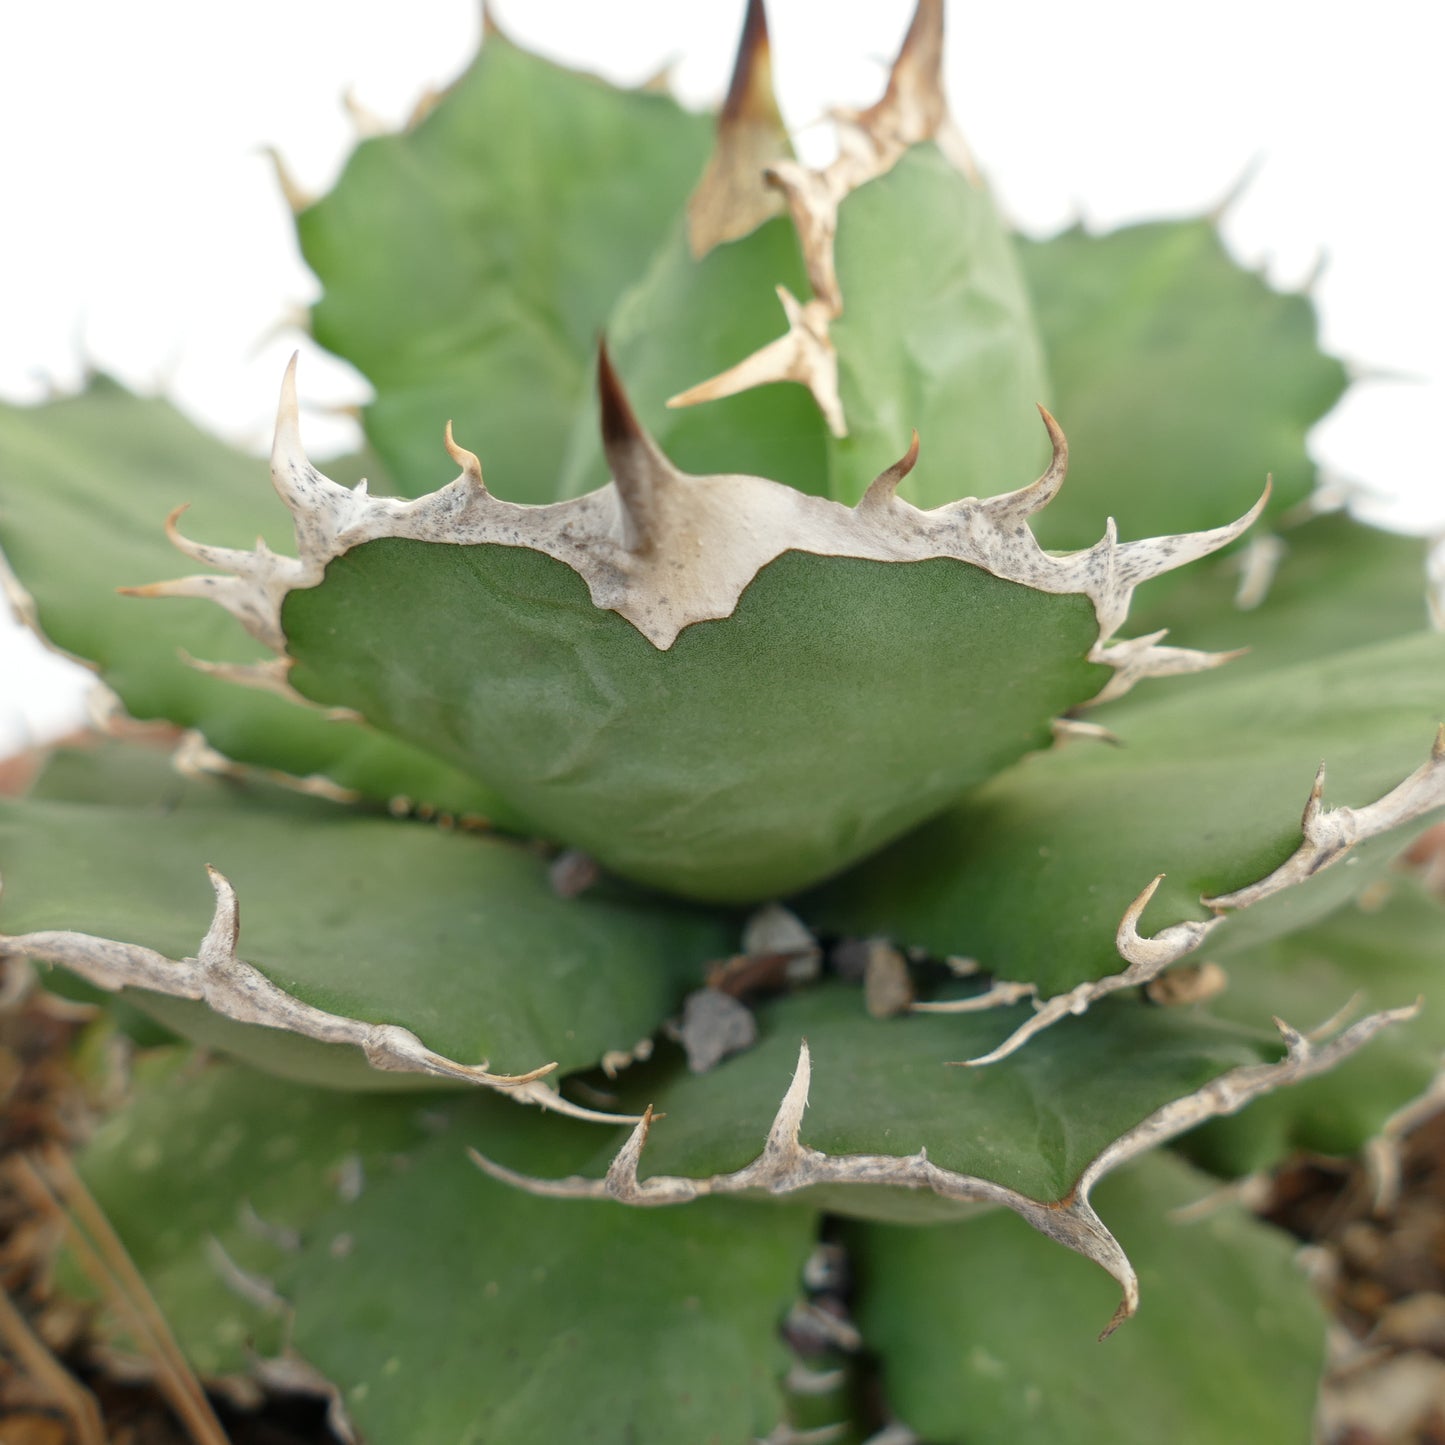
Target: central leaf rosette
723 686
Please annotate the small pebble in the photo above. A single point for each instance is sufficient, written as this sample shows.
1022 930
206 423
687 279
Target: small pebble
714 1027
887 984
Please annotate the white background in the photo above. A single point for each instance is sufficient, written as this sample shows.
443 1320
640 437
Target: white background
143 231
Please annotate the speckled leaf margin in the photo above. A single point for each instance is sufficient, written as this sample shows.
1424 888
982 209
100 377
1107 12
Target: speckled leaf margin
665 550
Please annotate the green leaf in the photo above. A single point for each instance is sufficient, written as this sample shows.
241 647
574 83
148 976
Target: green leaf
1180 378
469 263
565 1319
456 937
85 488
983 1329
1372 957
891 1133
202 1152
1031 1124
1032 875
442 1305
936 334
698 769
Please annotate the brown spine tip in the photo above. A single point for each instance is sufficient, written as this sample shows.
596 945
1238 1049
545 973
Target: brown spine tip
920 57
1057 440
884 486
732 198
909 459
173 518
914 102
750 93
620 426
1058 467
640 472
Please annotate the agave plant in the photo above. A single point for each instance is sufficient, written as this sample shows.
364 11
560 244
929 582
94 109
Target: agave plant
778 756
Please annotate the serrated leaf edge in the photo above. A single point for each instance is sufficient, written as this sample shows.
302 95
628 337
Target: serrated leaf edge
1328 836
912 109
665 549
786 1165
731 200
193 756
218 977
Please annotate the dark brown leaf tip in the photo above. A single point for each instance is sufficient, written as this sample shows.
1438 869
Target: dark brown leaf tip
620 426
750 94
908 460
640 472
732 198
913 107
920 58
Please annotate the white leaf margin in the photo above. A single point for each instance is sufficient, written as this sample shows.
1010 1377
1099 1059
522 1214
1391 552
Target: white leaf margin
234 989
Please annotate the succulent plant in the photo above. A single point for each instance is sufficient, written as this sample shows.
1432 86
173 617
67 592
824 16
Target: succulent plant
789 741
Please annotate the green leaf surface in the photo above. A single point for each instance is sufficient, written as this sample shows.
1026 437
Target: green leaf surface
443 1305
936 334
687 320
1180 378
1380 957
723 768
984 1330
1031 1123
469 263
202 1152
85 487
457 937
1033 873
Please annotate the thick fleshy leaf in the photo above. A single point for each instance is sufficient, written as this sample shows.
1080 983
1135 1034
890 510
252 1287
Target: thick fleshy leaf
884 1087
984 1339
1180 377
85 488
441 1305
610 1325
469 263
356 920
204 1152
892 1133
935 336
1035 874
1359 958
699 769
622 665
